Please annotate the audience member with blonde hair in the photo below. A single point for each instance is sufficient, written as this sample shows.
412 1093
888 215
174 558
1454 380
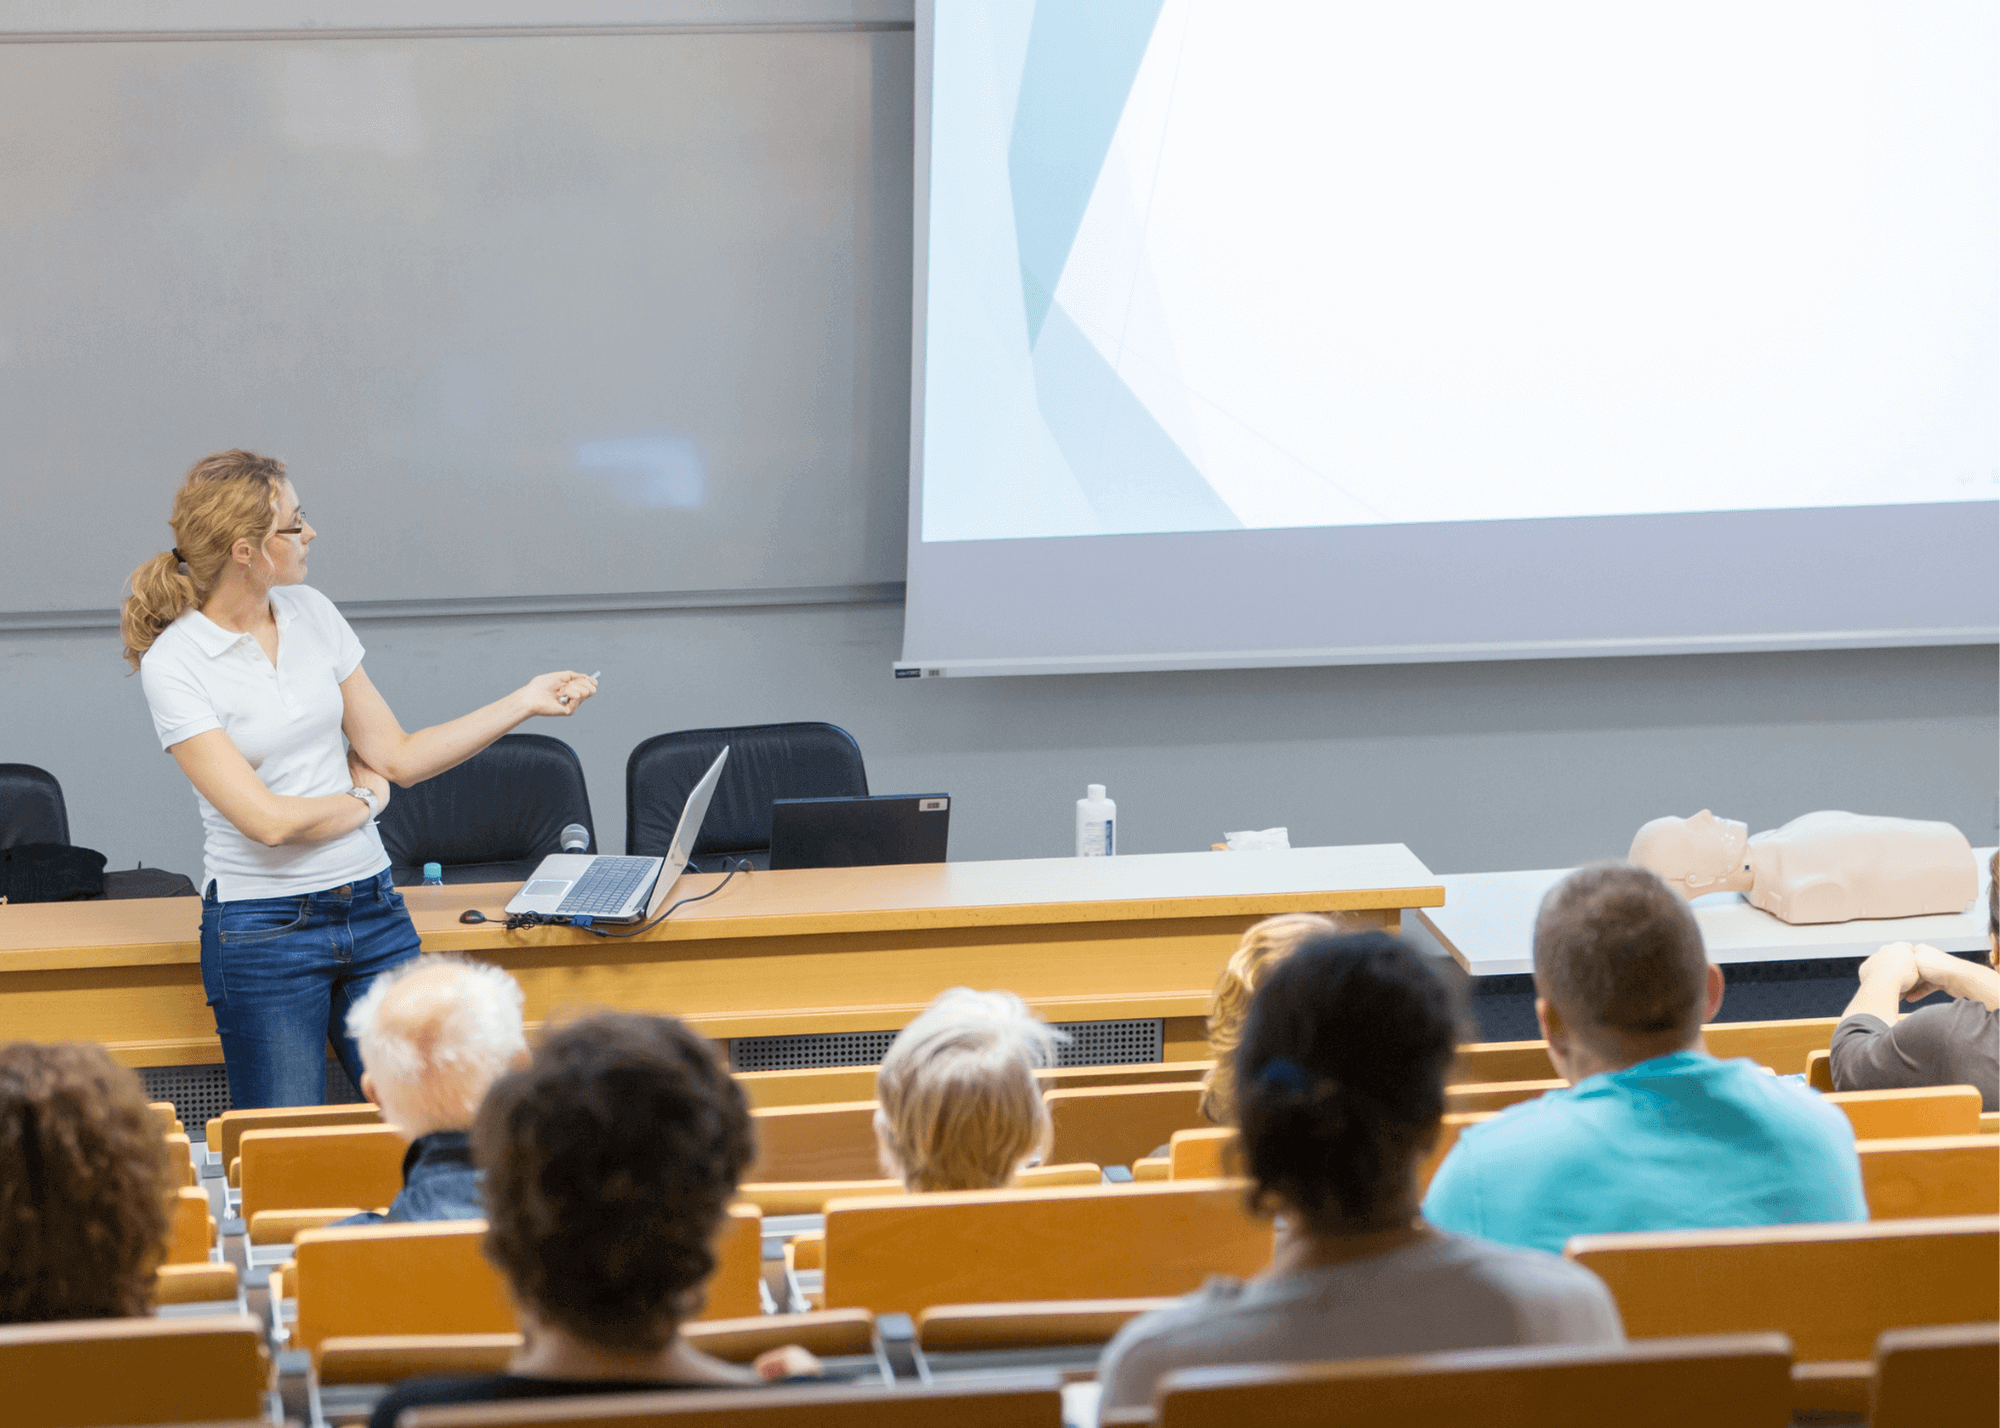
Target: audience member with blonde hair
1263 947
958 1104
435 1033
84 1180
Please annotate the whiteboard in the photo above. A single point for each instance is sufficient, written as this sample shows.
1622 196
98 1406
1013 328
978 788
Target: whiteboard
526 314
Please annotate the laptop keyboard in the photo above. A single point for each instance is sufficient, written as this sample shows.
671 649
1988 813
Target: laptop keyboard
605 887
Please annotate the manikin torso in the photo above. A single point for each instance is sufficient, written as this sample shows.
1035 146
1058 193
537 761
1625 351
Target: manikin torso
1835 867
1820 867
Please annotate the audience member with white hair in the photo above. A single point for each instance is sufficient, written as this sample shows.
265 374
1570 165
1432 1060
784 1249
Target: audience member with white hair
958 1104
435 1033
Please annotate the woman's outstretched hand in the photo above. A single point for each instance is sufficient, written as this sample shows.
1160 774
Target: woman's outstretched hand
557 695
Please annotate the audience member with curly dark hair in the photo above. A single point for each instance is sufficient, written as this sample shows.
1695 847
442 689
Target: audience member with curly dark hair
609 1163
84 1180
1339 1092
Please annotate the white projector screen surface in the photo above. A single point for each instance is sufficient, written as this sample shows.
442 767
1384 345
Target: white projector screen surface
1293 331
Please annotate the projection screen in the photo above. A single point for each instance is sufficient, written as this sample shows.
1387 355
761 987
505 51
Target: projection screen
1265 332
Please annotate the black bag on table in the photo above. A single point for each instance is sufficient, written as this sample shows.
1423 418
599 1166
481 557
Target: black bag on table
51 872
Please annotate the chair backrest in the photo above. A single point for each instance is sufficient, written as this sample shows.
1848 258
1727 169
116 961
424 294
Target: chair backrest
225 1132
31 807
432 1279
1832 1288
191 1231
766 762
819 1085
1781 1045
1210 1153
180 1158
170 1120
1475 1096
906 1253
1923 1110
1484 1061
106 1371
809 1197
957 1328
1738 1381
491 819
830 1142
1925 1378
1143 1073
1918 1176
204 1283
1033 1403
1819 1070
1116 1125
302 1168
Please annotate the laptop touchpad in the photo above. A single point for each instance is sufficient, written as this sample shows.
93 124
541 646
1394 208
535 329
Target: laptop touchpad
546 887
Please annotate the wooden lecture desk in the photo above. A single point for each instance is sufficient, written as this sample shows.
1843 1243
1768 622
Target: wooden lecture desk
775 953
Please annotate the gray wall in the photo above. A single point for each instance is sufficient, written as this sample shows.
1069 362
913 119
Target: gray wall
1475 766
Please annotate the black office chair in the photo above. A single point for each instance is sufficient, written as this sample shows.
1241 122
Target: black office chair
31 806
491 819
766 762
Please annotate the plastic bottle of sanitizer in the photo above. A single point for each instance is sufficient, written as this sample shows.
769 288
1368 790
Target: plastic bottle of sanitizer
1096 824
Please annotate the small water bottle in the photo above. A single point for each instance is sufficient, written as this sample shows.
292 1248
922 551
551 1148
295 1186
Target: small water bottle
433 875
1096 820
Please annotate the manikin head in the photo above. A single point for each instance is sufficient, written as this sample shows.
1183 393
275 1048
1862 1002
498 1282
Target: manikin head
958 1104
1692 855
1621 975
435 1033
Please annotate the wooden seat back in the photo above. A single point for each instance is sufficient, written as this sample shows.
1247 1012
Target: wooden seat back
303 1168
835 1141
1449 1129
1116 1125
1781 1045
1017 1403
907 1253
1832 1288
1819 1071
1487 1061
1474 1097
958 1328
125 1371
809 1197
180 1159
1735 1381
225 1132
1142 1073
204 1283
1923 1110
1925 1378
371 1280
170 1119
1921 1176
1211 1153
191 1230
822 1085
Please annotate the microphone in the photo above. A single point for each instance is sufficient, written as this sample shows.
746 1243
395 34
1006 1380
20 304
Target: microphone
575 838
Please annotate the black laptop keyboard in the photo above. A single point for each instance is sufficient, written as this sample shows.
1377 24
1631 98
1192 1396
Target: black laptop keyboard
605 887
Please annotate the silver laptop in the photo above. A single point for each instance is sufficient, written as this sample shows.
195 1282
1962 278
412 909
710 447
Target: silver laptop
605 887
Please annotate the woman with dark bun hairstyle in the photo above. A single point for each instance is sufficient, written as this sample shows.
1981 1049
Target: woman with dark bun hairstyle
1339 1092
609 1161
84 1181
256 688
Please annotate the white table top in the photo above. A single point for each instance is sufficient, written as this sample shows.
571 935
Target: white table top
1488 924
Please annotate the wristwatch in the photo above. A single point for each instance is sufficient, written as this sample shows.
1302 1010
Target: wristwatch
367 796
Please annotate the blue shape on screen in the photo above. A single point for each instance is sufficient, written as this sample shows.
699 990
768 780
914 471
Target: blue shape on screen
1082 58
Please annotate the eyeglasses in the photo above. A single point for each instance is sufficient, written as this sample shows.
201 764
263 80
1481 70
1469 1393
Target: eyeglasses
298 525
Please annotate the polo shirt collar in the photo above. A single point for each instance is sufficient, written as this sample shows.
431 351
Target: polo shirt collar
211 639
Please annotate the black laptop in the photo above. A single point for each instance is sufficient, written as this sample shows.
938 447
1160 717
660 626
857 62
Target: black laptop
859 832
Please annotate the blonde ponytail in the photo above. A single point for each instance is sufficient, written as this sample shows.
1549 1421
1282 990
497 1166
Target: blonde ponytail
227 497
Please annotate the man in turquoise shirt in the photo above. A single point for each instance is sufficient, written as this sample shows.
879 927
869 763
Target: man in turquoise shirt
1652 1133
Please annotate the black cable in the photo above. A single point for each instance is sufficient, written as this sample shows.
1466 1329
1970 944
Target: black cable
742 865
515 921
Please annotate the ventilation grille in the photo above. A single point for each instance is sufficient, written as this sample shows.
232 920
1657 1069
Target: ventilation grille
1091 1043
200 1093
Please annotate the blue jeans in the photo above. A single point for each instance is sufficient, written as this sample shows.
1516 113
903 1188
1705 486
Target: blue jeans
281 974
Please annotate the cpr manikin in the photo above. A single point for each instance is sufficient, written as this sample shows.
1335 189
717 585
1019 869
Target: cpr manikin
1820 867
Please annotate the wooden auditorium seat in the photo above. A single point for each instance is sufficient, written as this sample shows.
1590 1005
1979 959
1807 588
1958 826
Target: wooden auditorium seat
1212 1151
1116 1125
1784 1046
180 1156
964 1328
1928 1378
1819 1071
191 1231
906 1253
1474 1097
305 1168
1923 1176
170 1119
1481 1061
809 1197
1832 1288
1924 1110
225 1132
1029 1402
205 1283
1732 1381
834 1141
431 1278
820 1085
129 1371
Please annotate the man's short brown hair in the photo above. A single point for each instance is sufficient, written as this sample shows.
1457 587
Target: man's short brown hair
1618 951
610 1161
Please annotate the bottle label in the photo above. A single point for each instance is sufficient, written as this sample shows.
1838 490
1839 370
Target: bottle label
1110 844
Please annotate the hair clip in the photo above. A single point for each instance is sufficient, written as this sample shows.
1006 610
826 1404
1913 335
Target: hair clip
1286 1076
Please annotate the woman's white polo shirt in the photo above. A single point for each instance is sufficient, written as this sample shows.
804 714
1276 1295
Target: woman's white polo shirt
285 719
